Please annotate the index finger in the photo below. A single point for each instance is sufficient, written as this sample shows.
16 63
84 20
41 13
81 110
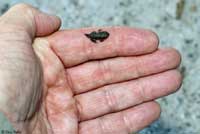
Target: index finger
74 47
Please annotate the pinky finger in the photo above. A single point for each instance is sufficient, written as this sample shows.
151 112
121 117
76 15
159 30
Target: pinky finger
124 122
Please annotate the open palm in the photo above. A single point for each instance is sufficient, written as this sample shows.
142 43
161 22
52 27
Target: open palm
94 88
99 88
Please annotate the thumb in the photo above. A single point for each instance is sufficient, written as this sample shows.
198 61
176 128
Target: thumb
27 18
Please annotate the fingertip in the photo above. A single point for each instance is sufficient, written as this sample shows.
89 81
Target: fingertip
169 57
148 113
31 20
176 78
133 40
57 21
175 55
153 40
154 109
157 109
179 79
46 24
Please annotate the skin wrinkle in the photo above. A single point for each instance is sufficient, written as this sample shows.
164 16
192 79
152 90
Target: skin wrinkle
47 125
137 68
29 16
57 93
156 41
63 113
18 97
8 29
127 123
61 52
111 100
127 67
70 81
54 51
102 126
34 123
13 58
117 47
87 49
66 103
79 109
16 49
19 30
116 50
57 96
44 57
21 41
105 71
39 18
139 83
122 37
33 106
137 48
13 50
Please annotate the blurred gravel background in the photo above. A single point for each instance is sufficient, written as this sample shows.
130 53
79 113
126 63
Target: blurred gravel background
177 23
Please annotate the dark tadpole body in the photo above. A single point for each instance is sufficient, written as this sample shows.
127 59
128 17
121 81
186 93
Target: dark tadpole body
98 36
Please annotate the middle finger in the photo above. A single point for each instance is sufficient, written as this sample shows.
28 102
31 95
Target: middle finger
116 97
95 74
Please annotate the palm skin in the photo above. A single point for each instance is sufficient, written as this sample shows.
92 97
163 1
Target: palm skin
78 87
82 93
59 102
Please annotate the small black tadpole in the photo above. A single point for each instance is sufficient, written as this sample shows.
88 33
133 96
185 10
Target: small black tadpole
98 36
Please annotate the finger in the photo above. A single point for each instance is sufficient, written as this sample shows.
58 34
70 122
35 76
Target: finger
73 47
124 122
27 18
116 97
99 73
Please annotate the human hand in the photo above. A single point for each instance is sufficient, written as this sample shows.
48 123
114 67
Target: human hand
86 88
21 74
